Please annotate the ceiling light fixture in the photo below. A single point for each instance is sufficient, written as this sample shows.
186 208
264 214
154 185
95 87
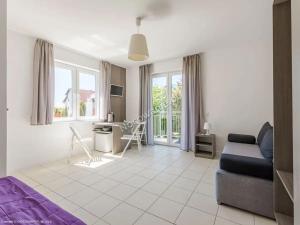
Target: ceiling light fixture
138 50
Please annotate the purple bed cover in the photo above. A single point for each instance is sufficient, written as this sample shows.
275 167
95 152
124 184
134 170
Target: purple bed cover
20 204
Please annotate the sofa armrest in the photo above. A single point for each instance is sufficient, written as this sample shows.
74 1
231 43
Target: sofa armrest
242 138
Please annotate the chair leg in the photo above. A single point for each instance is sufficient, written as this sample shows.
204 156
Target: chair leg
85 149
146 138
72 149
93 153
139 144
125 149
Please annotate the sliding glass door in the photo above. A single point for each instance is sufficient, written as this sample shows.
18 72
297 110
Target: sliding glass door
176 94
166 107
160 108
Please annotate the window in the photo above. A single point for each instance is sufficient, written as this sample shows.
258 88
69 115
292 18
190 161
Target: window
63 93
87 95
75 93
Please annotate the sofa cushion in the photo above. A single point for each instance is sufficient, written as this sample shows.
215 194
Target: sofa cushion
246 159
242 150
250 166
262 132
266 146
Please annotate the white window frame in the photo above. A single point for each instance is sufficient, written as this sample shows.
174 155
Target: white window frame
90 72
73 72
168 76
75 92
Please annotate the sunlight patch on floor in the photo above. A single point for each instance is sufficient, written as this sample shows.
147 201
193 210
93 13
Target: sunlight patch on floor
94 163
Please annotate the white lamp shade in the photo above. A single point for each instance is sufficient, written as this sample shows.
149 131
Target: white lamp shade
138 50
206 126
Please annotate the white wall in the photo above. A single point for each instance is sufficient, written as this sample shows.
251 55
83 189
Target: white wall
238 88
296 104
30 145
3 58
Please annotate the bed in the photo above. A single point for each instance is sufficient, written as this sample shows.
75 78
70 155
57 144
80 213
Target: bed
20 204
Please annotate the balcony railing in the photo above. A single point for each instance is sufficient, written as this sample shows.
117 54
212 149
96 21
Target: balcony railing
160 124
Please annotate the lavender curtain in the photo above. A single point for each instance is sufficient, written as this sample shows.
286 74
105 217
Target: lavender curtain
105 83
145 100
192 102
43 83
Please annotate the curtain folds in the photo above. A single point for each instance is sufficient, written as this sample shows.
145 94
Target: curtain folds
105 82
43 83
192 102
145 100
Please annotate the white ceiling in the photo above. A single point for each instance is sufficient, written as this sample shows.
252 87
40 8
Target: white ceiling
102 28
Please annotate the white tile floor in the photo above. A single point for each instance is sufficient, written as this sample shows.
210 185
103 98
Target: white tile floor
159 186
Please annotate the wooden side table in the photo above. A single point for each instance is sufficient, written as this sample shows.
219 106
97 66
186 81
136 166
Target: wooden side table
205 145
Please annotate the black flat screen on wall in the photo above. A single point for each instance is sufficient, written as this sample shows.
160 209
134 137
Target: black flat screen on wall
116 90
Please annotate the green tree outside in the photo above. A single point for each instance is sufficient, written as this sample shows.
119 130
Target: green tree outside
160 99
82 109
160 108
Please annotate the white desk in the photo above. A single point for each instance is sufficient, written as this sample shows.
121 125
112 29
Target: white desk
114 140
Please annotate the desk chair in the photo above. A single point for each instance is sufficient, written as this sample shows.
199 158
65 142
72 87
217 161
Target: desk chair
139 131
77 139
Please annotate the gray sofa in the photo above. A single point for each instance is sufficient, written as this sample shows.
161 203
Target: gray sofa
245 177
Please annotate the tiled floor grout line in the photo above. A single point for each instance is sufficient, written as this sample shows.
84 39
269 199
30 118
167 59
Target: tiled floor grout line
140 188
66 198
191 196
102 193
121 201
122 182
159 196
152 162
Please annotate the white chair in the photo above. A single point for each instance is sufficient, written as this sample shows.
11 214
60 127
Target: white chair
77 139
138 132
